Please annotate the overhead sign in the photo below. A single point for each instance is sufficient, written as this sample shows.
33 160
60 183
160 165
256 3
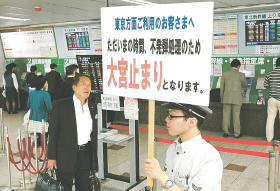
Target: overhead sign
29 44
262 29
158 52
80 40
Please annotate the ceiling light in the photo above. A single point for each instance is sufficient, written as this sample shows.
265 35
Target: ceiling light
11 7
139 2
14 18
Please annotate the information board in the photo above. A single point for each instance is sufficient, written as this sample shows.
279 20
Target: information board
91 65
225 35
29 44
78 40
262 29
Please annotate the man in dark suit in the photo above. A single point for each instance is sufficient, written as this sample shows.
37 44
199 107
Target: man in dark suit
53 79
64 89
31 78
72 145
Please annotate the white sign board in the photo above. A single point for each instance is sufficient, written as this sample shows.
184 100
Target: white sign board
110 102
158 52
29 44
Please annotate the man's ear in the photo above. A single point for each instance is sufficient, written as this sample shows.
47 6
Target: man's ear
193 121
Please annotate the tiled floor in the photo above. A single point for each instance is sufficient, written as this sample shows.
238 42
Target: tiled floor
253 178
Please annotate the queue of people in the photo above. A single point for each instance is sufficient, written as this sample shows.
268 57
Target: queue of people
16 91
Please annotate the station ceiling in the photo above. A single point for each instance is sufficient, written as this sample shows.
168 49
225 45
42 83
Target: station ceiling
61 11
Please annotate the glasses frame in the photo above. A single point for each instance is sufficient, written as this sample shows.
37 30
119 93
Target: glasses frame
174 116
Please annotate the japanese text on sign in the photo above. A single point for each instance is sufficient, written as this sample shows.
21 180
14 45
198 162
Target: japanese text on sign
158 46
152 23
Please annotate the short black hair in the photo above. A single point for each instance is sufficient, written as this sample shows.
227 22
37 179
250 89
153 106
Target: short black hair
40 82
75 66
278 62
33 68
69 70
9 67
77 79
235 63
53 66
13 65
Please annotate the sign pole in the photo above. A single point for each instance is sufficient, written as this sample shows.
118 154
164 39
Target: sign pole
151 139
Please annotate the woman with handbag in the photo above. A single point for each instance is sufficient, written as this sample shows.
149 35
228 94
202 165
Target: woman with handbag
39 103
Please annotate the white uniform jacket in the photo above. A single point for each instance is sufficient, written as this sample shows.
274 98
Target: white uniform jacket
194 165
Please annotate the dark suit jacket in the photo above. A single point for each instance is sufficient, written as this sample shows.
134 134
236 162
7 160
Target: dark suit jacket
64 89
53 78
31 80
63 140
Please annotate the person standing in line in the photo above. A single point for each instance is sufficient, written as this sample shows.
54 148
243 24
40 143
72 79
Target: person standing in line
11 87
31 78
75 67
72 145
232 91
65 89
53 79
191 163
272 83
39 103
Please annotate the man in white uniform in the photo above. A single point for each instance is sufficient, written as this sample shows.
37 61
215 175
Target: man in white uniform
191 163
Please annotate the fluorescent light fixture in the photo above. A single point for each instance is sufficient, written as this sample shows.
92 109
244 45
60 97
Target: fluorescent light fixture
247 7
11 7
139 2
14 18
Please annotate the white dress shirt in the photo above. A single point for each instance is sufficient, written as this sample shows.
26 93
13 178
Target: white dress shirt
194 165
83 120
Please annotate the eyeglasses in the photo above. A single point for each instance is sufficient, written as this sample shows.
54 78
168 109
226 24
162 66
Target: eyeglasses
174 116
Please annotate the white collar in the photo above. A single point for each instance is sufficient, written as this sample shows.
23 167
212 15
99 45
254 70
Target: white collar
187 144
78 102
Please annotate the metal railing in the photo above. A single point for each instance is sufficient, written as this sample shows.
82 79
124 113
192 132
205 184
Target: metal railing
273 168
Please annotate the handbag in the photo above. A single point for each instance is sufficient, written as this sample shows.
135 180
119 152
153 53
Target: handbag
94 182
47 182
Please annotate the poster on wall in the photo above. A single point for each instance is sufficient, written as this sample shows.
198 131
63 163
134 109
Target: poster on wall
225 38
158 55
262 28
29 44
79 40
96 39
216 64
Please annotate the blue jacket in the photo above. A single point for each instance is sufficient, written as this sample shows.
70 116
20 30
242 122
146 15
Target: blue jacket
39 103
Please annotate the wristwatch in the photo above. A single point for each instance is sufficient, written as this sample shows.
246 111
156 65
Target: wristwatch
168 184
